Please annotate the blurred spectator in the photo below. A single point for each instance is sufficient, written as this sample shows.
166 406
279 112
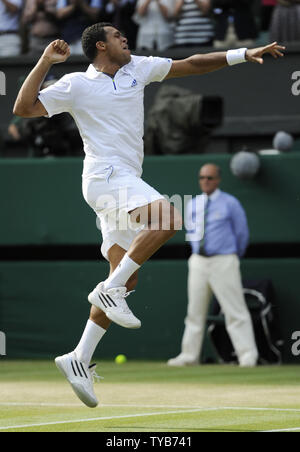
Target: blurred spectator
75 16
44 137
235 23
156 30
214 268
194 27
10 41
285 24
120 14
40 15
266 13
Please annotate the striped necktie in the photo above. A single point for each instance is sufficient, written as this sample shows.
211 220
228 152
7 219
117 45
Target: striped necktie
202 243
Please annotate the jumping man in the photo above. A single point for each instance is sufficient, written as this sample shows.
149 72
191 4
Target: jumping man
106 102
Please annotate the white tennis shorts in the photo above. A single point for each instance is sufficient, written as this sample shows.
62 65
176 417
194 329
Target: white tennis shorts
112 194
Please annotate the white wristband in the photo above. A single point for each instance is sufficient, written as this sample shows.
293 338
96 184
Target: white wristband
236 56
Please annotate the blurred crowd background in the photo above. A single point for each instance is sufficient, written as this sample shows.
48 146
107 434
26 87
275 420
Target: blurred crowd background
27 26
173 28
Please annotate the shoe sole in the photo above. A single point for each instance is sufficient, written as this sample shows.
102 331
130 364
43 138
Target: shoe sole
134 326
93 299
77 388
181 364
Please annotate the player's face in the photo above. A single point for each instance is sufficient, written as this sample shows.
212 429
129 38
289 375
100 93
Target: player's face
117 46
209 179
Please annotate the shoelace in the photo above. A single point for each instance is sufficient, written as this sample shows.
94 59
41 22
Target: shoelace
128 293
122 303
95 377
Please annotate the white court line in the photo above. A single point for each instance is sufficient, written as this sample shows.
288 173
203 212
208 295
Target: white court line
129 405
294 429
194 410
106 418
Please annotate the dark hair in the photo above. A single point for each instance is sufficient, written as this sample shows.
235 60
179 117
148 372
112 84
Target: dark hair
91 36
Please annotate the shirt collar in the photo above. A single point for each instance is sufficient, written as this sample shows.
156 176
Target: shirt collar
214 195
92 72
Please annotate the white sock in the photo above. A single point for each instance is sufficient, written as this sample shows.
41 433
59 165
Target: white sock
122 273
91 337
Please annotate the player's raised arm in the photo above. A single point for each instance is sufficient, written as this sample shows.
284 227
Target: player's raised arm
202 64
27 104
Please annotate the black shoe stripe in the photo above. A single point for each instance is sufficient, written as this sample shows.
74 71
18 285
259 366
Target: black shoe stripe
73 369
83 370
100 298
78 369
107 296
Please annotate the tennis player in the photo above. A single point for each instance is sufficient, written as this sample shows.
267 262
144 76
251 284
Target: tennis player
106 102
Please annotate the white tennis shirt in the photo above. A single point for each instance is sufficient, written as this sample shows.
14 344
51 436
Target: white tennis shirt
109 112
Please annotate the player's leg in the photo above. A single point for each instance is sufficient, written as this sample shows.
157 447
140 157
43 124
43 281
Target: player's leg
98 322
75 366
226 283
161 221
115 255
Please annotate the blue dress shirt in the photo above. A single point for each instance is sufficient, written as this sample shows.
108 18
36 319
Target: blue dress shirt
225 229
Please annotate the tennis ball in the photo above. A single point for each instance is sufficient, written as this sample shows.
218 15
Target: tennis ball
120 359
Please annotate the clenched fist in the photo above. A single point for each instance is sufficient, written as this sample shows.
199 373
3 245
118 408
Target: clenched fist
57 52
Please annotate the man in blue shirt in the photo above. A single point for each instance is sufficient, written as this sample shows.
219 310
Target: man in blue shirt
214 267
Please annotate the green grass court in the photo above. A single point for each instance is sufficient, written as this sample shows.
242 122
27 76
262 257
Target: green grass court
151 397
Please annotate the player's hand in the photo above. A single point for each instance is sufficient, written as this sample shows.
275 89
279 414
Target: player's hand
57 52
256 55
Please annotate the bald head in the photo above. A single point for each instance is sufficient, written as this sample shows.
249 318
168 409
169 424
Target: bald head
209 178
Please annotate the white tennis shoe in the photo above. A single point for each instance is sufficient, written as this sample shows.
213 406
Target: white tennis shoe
181 361
80 377
112 302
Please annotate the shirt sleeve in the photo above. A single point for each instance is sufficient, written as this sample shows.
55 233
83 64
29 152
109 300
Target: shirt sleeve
57 97
154 69
240 227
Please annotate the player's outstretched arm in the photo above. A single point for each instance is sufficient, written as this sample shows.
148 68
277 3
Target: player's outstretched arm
27 104
202 64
